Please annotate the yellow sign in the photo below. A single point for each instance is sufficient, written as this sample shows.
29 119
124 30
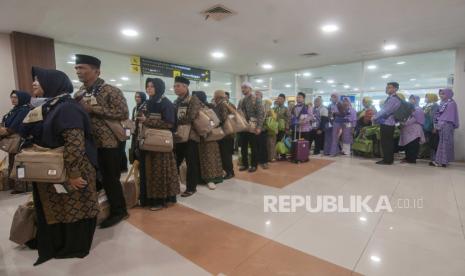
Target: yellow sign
176 73
135 60
135 69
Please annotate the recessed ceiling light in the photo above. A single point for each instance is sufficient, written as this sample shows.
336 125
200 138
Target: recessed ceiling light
112 80
375 259
259 80
75 81
268 222
288 86
125 78
264 86
330 81
318 81
330 28
205 84
401 62
413 79
356 89
321 92
217 54
346 86
363 218
390 47
119 84
129 32
372 67
71 62
307 74
386 76
267 66
228 83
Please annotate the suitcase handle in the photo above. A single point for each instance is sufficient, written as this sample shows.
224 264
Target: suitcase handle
295 132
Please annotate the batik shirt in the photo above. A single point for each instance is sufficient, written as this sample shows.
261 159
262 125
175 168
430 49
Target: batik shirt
252 108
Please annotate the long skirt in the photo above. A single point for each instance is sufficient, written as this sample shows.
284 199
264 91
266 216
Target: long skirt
211 168
65 222
347 134
445 150
328 141
333 143
161 178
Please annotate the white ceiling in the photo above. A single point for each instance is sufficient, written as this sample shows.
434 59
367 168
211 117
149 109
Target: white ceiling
246 38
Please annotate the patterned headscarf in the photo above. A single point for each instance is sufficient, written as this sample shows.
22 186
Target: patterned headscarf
432 97
367 101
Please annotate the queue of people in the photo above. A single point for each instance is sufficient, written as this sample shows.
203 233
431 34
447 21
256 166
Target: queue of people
87 128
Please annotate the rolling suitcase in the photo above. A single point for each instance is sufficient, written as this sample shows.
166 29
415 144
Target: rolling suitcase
300 149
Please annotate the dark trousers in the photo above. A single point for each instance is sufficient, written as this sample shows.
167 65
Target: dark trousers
411 151
189 151
109 162
124 157
262 147
142 179
319 141
248 139
387 143
226 150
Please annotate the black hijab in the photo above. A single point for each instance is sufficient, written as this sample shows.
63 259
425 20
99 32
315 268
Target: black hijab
159 103
15 117
201 95
53 82
143 98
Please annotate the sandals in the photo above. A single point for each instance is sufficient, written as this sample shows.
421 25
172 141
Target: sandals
187 194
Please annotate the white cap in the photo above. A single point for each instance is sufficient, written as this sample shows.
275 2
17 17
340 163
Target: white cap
247 84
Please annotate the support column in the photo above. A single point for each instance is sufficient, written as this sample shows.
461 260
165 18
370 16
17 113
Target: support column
459 96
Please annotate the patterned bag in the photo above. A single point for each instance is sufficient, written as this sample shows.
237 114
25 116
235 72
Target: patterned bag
182 133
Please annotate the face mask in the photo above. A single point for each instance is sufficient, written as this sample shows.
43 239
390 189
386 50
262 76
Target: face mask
35 102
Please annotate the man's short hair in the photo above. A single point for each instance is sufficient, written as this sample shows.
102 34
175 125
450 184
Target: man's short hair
395 84
282 96
301 94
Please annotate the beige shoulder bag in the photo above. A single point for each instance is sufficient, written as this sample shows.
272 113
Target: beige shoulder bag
11 143
156 140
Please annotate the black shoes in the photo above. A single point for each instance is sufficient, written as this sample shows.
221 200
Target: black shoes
113 220
228 176
242 168
383 163
252 169
187 193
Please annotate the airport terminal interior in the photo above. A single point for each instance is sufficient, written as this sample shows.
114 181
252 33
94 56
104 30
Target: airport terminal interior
263 137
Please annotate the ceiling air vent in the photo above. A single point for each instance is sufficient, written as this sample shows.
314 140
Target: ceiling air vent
309 55
217 12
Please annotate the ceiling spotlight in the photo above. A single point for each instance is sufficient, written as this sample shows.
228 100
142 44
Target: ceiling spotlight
390 47
125 78
259 80
288 86
268 222
112 80
205 84
346 86
356 89
129 32
386 76
307 74
228 83
413 79
330 28
330 81
375 259
267 66
363 219
217 54
401 62
318 81
372 67
119 84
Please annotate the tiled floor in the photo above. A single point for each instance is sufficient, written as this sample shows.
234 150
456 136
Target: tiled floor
427 241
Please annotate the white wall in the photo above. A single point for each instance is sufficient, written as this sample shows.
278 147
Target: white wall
459 96
7 76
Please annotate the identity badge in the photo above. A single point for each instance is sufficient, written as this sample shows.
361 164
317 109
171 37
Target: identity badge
20 172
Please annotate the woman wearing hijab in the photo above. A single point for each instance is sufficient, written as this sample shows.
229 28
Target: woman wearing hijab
223 109
271 141
367 103
332 128
431 107
211 168
138 110
12 123
161 173
350 119
446 120
65 221
411 132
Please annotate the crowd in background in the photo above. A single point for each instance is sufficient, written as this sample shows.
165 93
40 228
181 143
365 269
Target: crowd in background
94 155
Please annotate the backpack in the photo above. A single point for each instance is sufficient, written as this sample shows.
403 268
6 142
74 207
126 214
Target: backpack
404 111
